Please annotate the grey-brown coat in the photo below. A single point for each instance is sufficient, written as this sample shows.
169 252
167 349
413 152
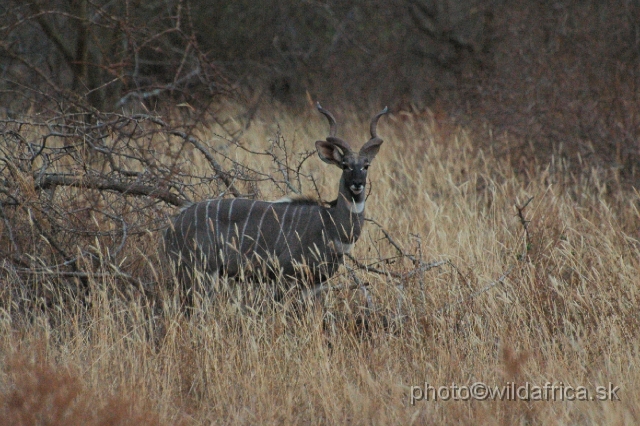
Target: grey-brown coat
300 240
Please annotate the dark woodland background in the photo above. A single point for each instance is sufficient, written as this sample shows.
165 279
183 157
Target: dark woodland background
557 77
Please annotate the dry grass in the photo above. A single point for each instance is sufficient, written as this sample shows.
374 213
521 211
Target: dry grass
567 312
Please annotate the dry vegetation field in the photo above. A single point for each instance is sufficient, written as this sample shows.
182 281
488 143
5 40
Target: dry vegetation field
544 292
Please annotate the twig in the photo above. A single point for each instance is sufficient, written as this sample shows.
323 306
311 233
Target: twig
364 267
423 268
9 229
475 294
362 287
525 224
326 287
504 276
393 243
224 177
217 167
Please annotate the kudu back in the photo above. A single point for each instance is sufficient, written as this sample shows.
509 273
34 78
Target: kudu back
297 241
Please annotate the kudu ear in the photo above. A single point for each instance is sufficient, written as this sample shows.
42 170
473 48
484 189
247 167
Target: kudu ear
329 153
371 148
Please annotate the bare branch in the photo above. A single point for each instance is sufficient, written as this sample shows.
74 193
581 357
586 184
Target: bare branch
205 151
394 243
51 180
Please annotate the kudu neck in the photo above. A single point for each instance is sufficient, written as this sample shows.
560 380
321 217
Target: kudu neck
347 215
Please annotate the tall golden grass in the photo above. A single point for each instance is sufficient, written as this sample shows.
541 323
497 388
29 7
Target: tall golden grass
566 312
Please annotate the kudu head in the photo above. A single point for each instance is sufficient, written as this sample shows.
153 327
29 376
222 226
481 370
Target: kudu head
354 165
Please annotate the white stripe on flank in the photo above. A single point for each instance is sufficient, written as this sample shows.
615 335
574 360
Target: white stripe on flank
260 223
309 220
195 224
226 242
184 235
246 220
208 225
291 224
217 225
280 223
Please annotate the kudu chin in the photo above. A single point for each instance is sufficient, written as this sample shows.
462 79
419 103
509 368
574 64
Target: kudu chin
297 242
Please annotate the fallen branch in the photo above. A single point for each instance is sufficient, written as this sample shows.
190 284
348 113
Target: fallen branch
52 180
82 275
